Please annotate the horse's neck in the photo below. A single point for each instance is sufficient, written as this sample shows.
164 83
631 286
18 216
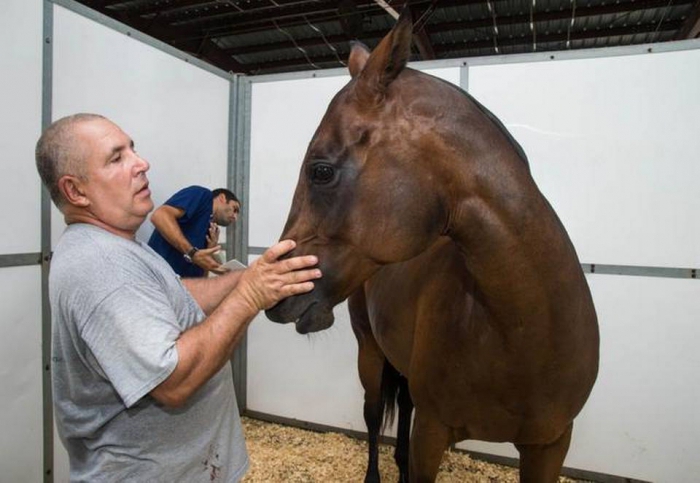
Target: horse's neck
514 245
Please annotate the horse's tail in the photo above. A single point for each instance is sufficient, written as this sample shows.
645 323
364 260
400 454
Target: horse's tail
391 379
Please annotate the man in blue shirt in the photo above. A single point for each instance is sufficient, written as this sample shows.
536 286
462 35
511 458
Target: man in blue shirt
187 229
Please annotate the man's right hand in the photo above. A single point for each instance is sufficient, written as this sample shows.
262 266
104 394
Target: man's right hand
269 279
206 260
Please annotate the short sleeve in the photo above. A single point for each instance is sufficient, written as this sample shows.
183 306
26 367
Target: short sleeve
132 334
193 200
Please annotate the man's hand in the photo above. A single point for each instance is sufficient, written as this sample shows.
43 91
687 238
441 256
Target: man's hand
212 235
205 259
269 280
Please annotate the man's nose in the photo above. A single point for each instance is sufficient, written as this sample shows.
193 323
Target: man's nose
142 165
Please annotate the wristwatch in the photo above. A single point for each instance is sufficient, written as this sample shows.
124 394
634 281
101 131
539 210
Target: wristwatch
190 254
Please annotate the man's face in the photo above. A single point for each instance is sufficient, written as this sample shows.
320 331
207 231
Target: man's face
226 212
115 183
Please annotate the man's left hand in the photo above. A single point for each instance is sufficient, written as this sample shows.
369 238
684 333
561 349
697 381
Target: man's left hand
212 235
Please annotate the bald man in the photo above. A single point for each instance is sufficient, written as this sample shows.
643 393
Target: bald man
142 388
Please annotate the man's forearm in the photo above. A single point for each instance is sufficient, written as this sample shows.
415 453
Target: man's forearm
209 292
204 349
165 221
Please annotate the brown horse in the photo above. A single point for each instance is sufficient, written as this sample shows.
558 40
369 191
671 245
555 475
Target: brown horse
421 206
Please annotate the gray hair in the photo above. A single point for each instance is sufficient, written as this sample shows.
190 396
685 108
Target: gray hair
58 153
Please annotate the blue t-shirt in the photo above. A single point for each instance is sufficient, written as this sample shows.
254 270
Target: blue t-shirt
197 202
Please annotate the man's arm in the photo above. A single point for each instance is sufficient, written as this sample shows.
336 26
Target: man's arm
209 292
205 348
165 221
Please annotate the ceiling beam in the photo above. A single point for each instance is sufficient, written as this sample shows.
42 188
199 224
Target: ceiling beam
581 12
255 20
691 26
420 35
602 33
524 41
287 44
163 7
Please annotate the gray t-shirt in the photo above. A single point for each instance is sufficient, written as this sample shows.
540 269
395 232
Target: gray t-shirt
118 309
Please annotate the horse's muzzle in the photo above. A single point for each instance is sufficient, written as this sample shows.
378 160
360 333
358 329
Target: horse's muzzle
310 314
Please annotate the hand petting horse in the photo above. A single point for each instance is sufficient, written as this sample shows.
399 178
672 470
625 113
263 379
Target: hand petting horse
462 280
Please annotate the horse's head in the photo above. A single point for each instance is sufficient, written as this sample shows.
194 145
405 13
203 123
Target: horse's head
365 196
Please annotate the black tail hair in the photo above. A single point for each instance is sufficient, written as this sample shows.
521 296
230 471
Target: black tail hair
391 378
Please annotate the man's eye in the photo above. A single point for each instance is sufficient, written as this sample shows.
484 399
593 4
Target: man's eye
322 173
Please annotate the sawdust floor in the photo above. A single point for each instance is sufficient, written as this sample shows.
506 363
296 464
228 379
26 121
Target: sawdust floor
290 455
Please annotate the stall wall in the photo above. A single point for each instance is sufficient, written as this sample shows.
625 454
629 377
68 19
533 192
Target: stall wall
612 145
20 194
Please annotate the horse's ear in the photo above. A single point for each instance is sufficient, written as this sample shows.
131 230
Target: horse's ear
390 57
359 53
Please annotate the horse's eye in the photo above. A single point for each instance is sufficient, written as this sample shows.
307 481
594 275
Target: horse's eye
322 173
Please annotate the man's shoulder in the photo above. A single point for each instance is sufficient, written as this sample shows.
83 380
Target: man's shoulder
193 190
89 250
193 199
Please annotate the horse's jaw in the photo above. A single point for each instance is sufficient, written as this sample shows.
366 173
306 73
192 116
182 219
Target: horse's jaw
310 315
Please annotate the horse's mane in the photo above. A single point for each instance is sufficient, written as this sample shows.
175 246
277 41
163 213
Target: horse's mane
497 122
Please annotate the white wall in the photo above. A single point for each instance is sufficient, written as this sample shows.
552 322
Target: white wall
612 143
20 194
21 438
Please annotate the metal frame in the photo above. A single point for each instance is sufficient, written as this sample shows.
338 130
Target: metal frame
239 176
45 255
20 259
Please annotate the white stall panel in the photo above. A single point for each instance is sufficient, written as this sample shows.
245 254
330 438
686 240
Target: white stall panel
613 143
284 117
21 438
641 420
449 74
20 124
176 113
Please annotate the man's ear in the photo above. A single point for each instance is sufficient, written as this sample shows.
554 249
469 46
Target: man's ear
221 199
72 190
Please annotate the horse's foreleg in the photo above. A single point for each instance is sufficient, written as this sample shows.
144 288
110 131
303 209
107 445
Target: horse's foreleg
373 413
429 440
370 365
542 463
404 430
